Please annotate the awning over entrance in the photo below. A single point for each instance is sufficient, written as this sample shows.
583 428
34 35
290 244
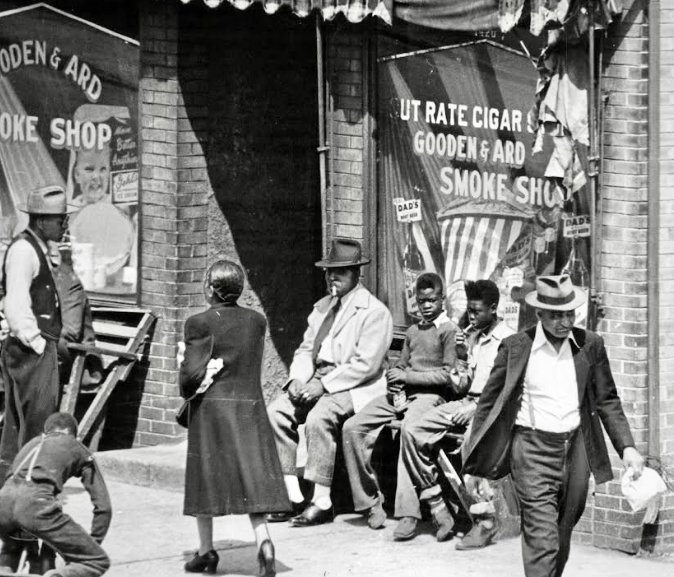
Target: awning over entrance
353 10
477 15
462 15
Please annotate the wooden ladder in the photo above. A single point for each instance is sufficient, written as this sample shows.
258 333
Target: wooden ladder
121 334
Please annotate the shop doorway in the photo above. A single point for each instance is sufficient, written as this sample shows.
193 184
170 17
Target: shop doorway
261 137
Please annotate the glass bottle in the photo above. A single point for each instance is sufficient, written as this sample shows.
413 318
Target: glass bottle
413 266
576 268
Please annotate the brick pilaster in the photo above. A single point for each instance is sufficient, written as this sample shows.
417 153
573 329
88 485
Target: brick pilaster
346 203
623 275
174 215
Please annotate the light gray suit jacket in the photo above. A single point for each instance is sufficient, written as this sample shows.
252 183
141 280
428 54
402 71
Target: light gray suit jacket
361 336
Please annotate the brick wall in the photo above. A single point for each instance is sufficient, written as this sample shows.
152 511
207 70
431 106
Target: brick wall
664 536
623 275
625 278
172 222
173 219
346 208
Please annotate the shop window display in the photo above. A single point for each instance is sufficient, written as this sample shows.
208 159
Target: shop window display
468 186
69 88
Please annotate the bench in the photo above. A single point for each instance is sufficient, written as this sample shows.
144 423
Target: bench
121 335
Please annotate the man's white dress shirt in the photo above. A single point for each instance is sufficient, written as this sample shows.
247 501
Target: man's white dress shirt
550 396
21 267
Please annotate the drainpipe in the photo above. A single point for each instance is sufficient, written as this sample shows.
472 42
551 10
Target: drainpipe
652 261
322 148
593 172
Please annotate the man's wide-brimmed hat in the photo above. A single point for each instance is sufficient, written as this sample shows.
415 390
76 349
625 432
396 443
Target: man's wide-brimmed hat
47 200
555 293
344 252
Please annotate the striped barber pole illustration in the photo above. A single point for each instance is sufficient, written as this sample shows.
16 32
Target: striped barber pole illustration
475 245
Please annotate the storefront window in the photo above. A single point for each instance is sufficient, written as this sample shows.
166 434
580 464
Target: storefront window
69 93
466 189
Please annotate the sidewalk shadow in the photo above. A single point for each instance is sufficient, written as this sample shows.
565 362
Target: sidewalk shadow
238 558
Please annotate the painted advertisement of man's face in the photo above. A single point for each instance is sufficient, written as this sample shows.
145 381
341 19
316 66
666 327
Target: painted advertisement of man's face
92 174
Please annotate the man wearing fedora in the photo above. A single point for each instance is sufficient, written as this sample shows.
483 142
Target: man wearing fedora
540 419
31 306
336 371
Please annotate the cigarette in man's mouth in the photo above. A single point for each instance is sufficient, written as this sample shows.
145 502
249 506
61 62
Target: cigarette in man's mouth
333 290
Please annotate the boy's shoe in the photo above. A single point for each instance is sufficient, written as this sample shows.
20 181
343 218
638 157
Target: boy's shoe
477 538
406 529
443 520
376 516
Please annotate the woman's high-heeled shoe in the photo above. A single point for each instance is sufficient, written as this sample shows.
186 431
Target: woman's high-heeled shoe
265 557
206 563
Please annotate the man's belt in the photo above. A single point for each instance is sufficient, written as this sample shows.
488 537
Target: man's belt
550 435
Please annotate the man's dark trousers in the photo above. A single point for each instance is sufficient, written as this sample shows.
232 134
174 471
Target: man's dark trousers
31 395
550 472
32 507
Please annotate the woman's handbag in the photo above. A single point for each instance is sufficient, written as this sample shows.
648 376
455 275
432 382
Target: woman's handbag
183 413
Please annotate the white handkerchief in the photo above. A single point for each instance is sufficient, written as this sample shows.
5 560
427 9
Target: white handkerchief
643 492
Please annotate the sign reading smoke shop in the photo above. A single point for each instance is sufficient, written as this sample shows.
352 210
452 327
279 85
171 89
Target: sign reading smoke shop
68 93
455 142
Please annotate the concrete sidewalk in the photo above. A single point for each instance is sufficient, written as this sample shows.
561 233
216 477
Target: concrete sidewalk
150 537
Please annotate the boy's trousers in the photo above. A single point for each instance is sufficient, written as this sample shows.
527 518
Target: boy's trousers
34 508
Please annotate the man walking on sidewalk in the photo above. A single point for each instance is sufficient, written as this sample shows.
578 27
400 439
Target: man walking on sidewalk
540 418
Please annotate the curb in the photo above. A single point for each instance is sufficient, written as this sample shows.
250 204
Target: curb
160 466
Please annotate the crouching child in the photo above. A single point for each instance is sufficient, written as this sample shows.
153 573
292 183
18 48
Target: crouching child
29 504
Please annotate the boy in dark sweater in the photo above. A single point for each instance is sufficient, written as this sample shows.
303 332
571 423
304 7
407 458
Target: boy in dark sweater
422 374
28 500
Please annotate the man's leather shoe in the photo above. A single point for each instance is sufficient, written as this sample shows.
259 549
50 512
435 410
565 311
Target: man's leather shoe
313 515
406 529
376 516
282 516
477 538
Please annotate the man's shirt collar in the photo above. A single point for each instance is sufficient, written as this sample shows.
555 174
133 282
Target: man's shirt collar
540 339
498 332
346 298
437 321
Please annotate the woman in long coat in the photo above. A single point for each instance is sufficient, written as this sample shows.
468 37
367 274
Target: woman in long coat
232 463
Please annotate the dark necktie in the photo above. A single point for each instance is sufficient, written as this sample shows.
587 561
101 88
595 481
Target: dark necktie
325 327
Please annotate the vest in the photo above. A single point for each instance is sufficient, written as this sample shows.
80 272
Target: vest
43 296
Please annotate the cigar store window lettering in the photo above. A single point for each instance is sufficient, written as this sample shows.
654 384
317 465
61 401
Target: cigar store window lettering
468 188
83 137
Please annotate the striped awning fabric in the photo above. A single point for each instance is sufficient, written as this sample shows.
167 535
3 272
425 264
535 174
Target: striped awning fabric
474 15
474 245
353 10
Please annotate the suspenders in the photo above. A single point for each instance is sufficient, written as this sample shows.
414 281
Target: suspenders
32 456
